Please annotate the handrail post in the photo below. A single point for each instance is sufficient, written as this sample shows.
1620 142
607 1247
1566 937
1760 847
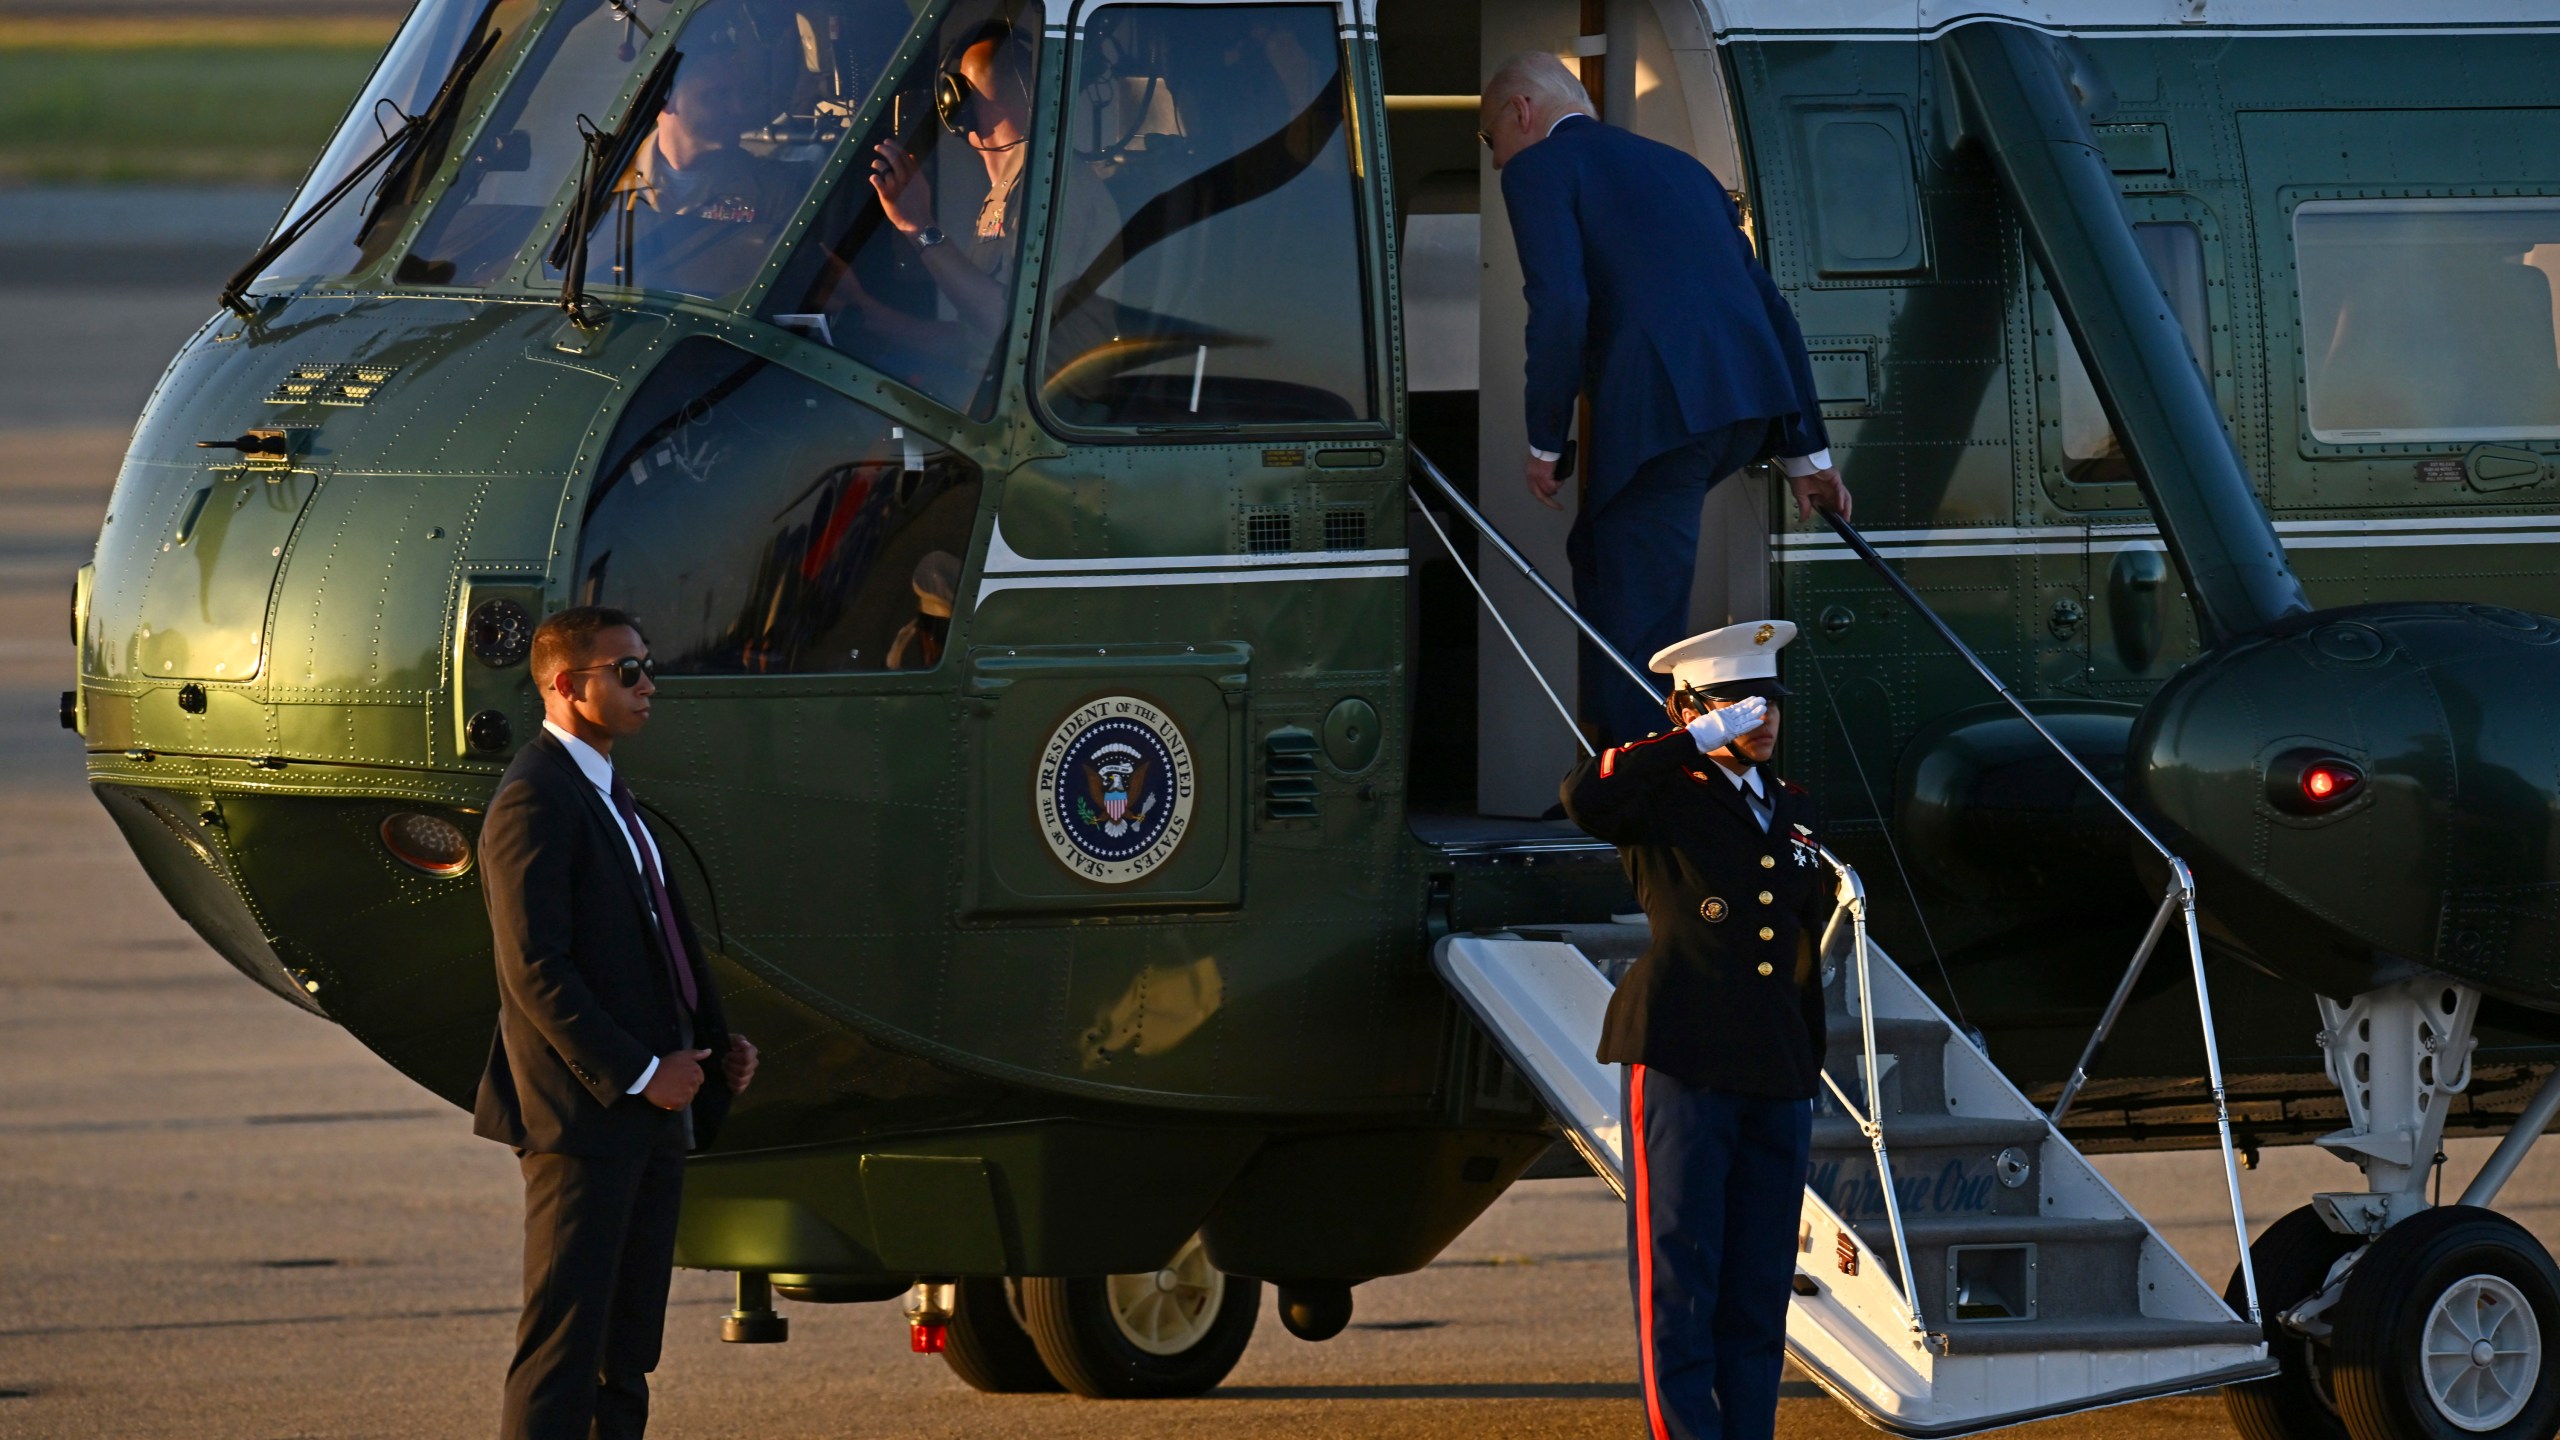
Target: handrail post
2185 883
1871 1118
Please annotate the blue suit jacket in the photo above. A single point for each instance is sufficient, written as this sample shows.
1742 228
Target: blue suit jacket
1643 292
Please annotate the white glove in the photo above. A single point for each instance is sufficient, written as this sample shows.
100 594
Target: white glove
1716 729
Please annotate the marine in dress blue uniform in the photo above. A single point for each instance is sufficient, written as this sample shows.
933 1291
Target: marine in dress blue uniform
1719 1028
1645 297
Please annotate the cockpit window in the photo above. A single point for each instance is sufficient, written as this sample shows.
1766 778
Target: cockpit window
2430 320
1206 261
910 264
755 98
761 523
437 72
531 144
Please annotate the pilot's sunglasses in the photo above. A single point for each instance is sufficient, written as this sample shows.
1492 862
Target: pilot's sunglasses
628 669
954 101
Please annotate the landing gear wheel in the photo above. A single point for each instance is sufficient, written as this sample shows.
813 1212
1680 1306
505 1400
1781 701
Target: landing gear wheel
1164 1333
2292 1259
2445 1329
986 1346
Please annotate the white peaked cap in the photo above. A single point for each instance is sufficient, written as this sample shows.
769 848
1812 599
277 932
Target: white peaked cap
1748 651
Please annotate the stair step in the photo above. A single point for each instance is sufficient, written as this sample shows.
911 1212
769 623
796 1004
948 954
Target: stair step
1915 1083
2082 1269
2141 1332
1929 1132
1942 1165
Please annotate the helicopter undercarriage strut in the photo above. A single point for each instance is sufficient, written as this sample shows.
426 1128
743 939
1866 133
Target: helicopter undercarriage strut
2395 1316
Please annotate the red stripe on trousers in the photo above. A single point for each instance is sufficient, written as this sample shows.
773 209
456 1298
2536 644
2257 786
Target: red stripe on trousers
1644 1255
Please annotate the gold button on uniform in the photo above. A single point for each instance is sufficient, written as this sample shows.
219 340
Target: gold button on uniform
1768 862
1766 898
1767 934
1765 968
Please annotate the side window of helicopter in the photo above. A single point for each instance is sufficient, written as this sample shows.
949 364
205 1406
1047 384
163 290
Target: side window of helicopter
1205 263
760 523
718 154
2091 454
909 265
725 126
2430 320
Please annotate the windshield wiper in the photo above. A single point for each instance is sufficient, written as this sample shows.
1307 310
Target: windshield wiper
608 156
236 289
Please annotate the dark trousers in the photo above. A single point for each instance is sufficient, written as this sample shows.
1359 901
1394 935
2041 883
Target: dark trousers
599 1247
1633 560
1715 1191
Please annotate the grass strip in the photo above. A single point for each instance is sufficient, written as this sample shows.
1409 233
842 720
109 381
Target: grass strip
201 113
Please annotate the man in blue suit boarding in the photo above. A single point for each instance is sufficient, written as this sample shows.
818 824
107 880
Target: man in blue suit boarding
1643 294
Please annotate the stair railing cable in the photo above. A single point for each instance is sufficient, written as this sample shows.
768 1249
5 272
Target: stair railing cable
1467 511
1496 612
2179 899
1870 1119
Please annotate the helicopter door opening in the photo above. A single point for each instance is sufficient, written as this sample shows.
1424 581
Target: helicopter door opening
1495 748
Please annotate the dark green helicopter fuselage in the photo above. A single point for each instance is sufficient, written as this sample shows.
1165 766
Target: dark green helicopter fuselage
980 1060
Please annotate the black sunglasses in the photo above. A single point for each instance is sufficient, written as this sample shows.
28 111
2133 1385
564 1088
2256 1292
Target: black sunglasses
628 669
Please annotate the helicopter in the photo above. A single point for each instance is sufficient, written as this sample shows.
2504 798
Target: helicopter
1010 420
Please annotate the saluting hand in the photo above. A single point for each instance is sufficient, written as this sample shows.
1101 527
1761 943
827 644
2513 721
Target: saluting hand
739 1065
1717 728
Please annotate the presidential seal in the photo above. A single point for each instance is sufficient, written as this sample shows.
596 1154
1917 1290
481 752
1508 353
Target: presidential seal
1115 789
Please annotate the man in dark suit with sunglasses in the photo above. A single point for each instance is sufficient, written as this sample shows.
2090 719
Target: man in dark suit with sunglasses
612 1059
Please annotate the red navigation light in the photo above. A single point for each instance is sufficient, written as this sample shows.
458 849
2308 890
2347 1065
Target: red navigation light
2312 783
2330 781
928 1338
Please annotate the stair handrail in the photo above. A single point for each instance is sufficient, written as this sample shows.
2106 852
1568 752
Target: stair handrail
1852 897
2180 896
1467 511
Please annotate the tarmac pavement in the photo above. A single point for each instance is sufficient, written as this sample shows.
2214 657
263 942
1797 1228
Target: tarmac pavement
224 1218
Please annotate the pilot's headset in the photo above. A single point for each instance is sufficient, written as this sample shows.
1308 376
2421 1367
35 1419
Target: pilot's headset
955 99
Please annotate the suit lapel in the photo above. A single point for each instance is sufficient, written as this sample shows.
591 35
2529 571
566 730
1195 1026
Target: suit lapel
600 812
1729 795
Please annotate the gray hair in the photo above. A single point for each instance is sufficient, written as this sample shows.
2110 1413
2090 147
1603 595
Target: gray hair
1552 90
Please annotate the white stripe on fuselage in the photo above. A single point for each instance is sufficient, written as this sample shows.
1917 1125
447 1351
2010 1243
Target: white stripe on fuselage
2004 540
1010 569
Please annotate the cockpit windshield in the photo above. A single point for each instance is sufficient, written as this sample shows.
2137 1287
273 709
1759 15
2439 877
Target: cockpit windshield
438 70
718 154
909 265
726 128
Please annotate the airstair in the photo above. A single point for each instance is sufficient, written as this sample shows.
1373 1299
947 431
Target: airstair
2039 1291
1960 1265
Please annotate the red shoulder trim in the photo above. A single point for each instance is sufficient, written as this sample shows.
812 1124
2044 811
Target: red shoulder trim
1608 762
1791 787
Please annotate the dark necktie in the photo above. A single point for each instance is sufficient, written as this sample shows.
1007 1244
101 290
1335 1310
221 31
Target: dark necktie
678 961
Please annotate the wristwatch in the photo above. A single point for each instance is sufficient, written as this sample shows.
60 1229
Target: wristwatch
930 236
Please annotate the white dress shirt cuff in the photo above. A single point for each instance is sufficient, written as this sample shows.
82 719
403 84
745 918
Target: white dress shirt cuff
645 1077
1798 466
1550 456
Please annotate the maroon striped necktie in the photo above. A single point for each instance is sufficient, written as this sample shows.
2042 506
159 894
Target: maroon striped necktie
678 962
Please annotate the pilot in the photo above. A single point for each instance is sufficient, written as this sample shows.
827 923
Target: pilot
918 643
1719 1027
983 95
692 164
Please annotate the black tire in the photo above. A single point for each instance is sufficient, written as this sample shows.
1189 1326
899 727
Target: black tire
987 1347
1073 1325
2292 1257
2383 1321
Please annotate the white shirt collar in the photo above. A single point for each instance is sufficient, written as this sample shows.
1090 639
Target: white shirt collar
1745 779
593 765
1569 115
